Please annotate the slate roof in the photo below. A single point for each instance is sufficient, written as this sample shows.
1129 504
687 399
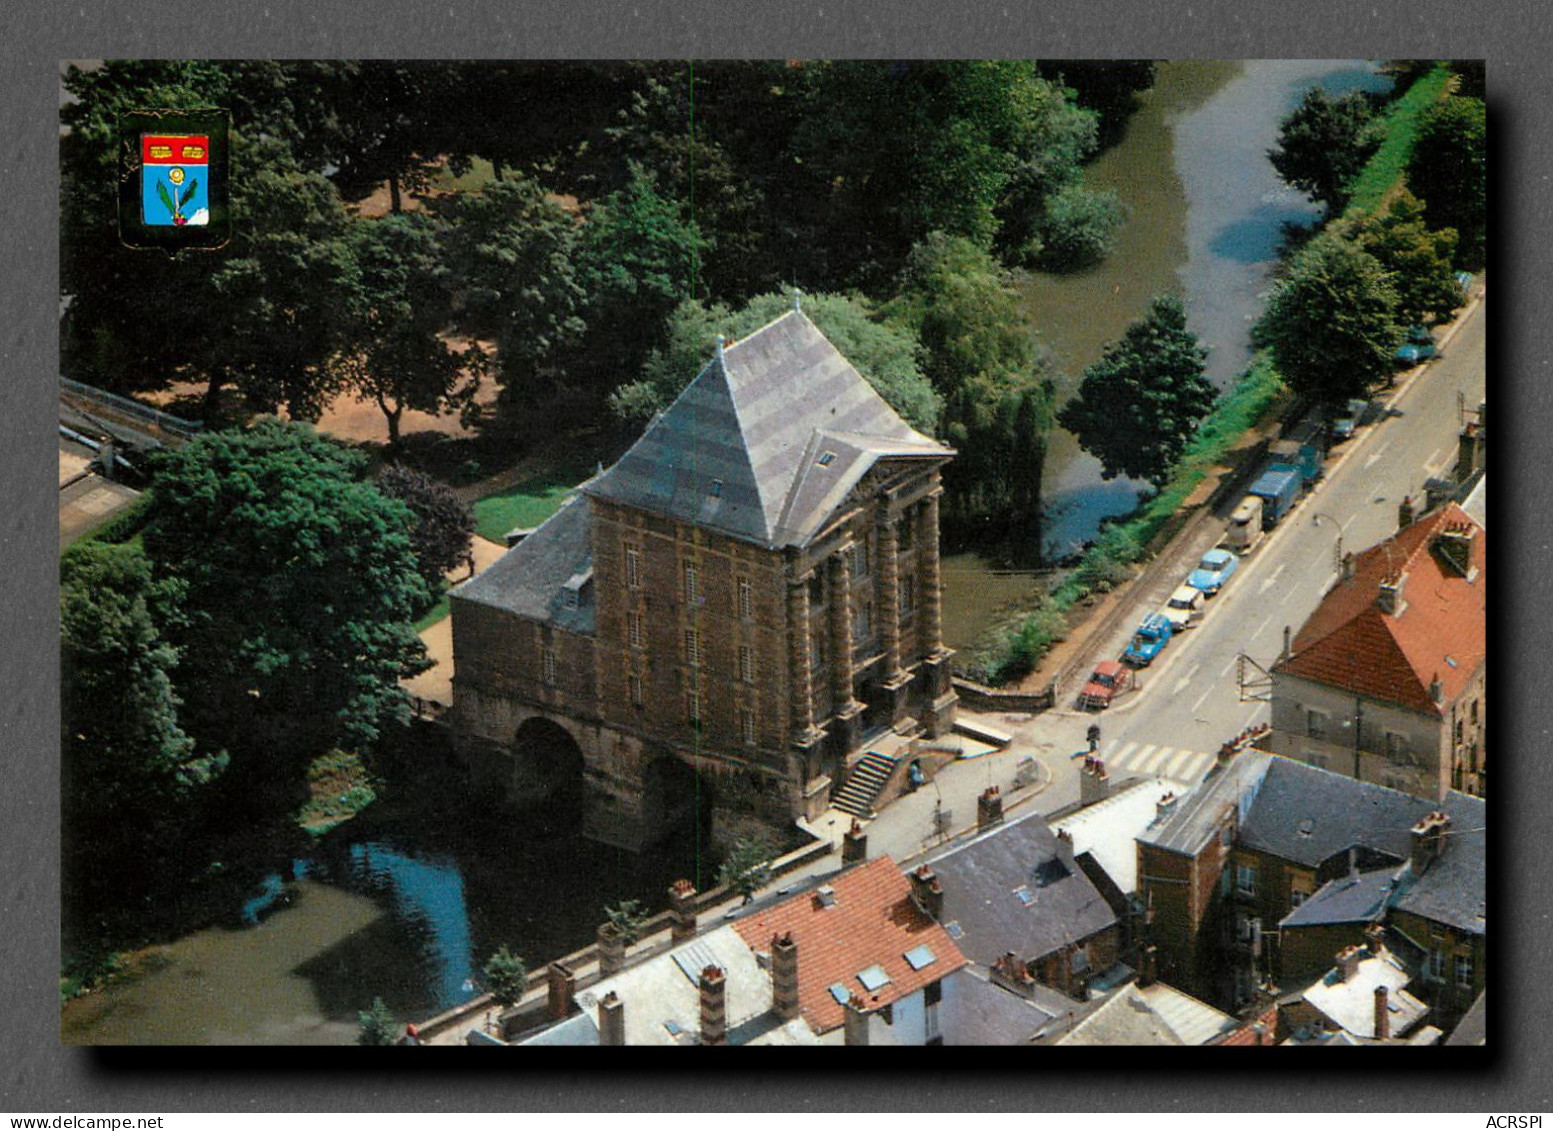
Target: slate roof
1454 888
1106 829
740 450
871 921
1439 633
1198 815
977 1012
1355 898
1016 887
528 579
1472 1029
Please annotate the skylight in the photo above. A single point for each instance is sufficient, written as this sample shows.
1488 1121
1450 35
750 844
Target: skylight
826 459
955 930
921 956
873 978
840 993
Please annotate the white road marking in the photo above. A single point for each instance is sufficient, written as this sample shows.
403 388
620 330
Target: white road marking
1175 765
1271 581
1154 761
1200 698
1429 461
1226 669
1370 460
1142 756
1184 680
1265 621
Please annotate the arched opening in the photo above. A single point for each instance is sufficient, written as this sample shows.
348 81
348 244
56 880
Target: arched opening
677 805
547 764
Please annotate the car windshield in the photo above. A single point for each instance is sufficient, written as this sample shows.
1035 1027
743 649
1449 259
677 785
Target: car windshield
1102 679
1176 603
1211 564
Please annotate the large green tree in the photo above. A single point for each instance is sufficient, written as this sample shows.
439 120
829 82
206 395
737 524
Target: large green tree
299 583
1449 172
1140 404
1323 143
1332 323
444 523
1418 259
884 352
129 774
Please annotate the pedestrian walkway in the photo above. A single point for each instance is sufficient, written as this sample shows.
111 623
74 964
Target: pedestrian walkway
1137 758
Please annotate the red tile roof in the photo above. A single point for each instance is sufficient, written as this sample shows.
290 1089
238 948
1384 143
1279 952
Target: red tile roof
872 921
1439 632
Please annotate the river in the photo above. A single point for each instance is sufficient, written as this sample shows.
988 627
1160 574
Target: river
406 904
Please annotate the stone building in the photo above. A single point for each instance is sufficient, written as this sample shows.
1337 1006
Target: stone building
726 615
1386 680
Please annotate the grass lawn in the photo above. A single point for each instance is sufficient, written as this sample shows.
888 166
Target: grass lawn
480 174
530 502
1383 171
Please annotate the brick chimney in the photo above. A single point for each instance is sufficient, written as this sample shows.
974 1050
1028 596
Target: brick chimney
561 990
1405 512
1149 974
1428 841
612 1020
989 808
1375 939
1390 598
784 976
1093 782
1454 547
854 845
1348 960
1382 1014
855 1025
682 911
611 949
714 1007
927 892
1165 807
1066 838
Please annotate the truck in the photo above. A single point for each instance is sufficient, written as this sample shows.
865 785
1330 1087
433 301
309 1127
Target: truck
1304 456
1278 487
1149 640
1245 526
1109 679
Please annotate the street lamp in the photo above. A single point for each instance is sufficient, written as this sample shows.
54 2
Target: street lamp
1337 554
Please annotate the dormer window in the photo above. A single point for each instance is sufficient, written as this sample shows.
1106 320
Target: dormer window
826 459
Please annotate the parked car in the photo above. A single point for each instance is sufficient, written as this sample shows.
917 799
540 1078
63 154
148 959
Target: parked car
1149 640
1213 571
1185 608
1109 679
1418 348
1352 416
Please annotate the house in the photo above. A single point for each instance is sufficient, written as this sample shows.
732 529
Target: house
1363 996
1153 1014
1238 859
1015 899
1385 680
722 616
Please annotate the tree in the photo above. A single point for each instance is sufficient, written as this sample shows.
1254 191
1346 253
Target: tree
628 917
979 353
400 303
130 776
299 585
513 254
1078 228
376 1026
747 867
1109 87
1323 144
505 976
1140 404
883 352
1331 324
1449 172
444 523
1417 260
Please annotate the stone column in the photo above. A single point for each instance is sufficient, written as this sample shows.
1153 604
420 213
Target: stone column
846 709
799 660
894 681
929 581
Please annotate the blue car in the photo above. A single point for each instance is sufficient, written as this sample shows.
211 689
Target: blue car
1213 571
1418 348
1149 641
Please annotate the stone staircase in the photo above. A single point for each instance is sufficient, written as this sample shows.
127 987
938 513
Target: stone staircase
866 779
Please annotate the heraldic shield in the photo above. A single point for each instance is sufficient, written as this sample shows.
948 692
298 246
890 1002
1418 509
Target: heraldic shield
175 179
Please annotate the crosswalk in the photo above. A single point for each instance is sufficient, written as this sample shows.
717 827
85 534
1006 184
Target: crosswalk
1132 759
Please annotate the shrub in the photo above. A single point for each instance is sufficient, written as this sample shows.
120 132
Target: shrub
1080 227
376 1026
505 976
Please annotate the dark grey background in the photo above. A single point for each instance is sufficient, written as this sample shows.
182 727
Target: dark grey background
37 1075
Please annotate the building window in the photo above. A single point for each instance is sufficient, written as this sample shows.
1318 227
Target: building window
1315 724
1474 712
633 568
1297 897
746 599
637 628
1245 879
746 663
1396 746
692 647
933 993
1464 971
548 665
692 584
747 726
1435 970
634 683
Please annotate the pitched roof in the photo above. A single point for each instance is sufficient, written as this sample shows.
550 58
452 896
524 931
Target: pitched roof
529 579
1018 888
1200 814
1106 829
1439 631
742 449
1454 887
1359 897
1351 1004
980 1012
870 921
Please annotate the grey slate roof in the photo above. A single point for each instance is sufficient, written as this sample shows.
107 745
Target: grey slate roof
1305 815
1199 813
977 1012
738 451
981 879
1453 889
528 579
1355 898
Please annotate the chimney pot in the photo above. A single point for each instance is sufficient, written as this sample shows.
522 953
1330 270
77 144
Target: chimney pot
1405 512
989 808
682 911
714 1007
612 1020
855 1031
1348 960
854 845
1382 1014
784 976
561 988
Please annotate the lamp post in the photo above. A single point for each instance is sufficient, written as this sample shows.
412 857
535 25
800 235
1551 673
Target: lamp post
1337 554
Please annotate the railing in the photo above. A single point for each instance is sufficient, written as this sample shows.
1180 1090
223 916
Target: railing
166 422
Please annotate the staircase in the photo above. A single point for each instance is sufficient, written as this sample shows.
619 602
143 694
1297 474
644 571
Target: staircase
863 784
